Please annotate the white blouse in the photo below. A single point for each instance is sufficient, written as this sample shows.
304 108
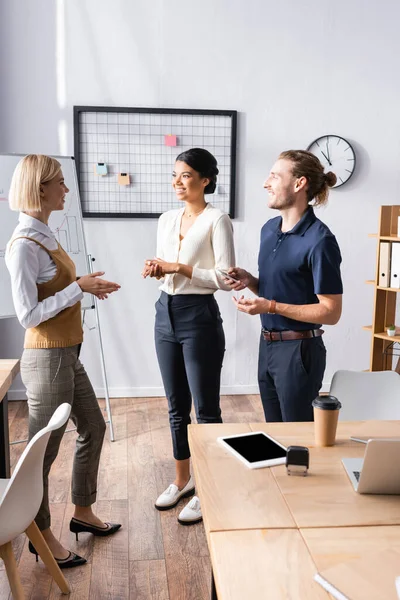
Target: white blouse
28 265
207 247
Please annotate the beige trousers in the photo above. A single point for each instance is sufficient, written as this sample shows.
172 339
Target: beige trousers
53 376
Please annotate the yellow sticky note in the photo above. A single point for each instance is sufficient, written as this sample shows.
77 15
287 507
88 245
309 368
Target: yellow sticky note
124 179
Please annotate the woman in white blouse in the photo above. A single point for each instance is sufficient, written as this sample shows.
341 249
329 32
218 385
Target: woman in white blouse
47 295
193 244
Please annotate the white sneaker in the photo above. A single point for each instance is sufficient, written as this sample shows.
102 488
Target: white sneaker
191 514
171 496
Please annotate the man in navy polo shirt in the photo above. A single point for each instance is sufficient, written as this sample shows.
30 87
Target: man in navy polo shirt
299 288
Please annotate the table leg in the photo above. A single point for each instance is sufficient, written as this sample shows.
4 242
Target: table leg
213 588
4 440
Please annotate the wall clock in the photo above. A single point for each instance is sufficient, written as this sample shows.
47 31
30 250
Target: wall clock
337 155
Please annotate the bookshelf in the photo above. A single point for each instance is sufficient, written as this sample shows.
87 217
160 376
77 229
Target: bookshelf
384 310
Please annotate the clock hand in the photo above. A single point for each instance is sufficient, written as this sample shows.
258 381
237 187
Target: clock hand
325 156
327 150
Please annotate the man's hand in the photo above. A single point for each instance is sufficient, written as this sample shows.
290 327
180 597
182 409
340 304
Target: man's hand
244 279
252 306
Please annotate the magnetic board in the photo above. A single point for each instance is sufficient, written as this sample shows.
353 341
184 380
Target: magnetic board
125 157
67 225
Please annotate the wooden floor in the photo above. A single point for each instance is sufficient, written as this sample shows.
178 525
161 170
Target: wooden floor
152 557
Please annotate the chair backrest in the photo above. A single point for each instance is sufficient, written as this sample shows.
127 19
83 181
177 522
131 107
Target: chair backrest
23 495
367 394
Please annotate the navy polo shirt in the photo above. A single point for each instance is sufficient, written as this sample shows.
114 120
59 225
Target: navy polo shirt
296 266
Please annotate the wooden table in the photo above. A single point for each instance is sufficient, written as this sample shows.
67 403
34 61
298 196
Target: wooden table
332 545
280 565
254 499
269 533
9 369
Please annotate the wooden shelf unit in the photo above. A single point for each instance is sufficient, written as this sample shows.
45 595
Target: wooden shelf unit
384 311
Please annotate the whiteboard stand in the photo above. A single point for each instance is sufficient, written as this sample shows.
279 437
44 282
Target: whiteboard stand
102 361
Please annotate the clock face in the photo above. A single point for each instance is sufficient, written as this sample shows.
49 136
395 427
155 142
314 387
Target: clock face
336 155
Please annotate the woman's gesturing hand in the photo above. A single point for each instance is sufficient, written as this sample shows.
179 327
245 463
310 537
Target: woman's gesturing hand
92 284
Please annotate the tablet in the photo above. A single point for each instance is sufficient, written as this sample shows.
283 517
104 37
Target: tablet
256 449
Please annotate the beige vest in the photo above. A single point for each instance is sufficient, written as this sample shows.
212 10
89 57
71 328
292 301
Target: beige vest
65 329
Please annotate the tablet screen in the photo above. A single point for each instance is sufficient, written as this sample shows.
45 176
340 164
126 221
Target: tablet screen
255 448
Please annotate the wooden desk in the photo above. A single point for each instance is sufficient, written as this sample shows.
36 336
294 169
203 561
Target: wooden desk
328 499
337 548
254 499
8 371
303 433
253 539
333 545
280 565
284 561
327 484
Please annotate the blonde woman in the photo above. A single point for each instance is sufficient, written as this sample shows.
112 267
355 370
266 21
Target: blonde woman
47 295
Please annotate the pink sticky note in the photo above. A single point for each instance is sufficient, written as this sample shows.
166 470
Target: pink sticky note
170 140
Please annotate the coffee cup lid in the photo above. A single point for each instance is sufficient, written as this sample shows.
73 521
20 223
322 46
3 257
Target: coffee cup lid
327 403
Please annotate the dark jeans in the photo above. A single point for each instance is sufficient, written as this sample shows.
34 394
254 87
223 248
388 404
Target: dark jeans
290 376
190 346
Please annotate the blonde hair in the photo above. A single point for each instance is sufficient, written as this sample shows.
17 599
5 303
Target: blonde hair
305 164
29 174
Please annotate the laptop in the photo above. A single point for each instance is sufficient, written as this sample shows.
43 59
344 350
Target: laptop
379 471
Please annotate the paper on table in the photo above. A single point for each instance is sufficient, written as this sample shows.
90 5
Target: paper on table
370 577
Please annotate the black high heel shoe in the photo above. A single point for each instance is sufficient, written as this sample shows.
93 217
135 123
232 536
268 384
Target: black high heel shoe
77 526
73 560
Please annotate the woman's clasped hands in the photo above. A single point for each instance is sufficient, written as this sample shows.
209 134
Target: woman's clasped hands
156 267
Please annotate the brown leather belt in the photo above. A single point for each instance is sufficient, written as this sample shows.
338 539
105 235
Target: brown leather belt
281 336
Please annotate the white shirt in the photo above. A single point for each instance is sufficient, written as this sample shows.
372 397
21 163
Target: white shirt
28 265
207 247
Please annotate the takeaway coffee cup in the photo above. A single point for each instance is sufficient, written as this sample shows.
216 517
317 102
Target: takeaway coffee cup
326 414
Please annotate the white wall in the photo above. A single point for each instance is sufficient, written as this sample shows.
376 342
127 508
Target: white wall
294 70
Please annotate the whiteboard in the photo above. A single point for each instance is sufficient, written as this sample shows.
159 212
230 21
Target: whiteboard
66 224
